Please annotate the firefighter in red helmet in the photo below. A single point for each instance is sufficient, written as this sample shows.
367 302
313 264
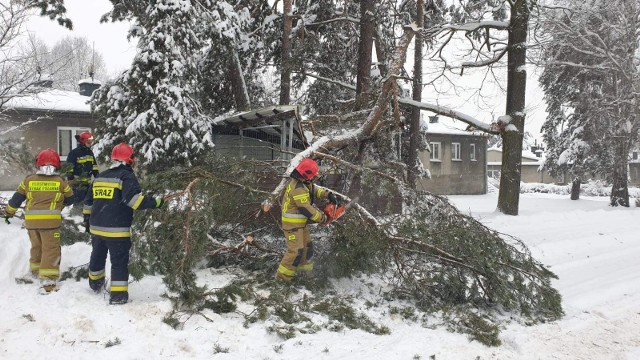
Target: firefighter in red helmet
298 210
113 196
81 166
46 194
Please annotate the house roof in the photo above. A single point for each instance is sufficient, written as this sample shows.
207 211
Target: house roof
528 158
51 100
267 120
448 126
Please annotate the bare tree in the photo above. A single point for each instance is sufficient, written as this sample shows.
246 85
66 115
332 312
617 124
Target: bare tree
21 63
591 87
74 59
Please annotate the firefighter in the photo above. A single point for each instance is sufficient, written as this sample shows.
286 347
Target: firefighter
113 196
46 194
81 167
298 209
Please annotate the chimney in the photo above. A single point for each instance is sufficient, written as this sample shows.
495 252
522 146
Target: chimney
45 81
88 86
433 119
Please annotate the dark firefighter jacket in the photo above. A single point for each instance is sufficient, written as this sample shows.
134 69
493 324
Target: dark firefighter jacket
46 195
81 165
297 204
112 197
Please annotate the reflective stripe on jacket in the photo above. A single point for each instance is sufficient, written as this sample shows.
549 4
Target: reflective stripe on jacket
110 202
82 165
297 204
46 195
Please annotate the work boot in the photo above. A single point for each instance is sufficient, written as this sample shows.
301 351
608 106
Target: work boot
96 285
47 286
119 297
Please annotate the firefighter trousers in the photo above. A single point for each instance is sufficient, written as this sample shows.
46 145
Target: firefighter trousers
45 253
118 251
298 255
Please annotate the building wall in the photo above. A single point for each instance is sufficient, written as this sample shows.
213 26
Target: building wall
456 177
530 169
38 135
634 173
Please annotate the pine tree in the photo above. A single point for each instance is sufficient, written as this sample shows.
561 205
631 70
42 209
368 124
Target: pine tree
154 104
589 83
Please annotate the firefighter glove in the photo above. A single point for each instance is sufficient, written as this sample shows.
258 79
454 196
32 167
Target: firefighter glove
85 223
334 198
159 202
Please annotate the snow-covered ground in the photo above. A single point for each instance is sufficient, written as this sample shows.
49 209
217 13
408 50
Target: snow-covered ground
593 248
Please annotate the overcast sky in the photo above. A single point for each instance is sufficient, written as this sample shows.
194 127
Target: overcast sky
110 39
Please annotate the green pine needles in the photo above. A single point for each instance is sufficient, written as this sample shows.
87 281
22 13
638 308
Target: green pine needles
432 258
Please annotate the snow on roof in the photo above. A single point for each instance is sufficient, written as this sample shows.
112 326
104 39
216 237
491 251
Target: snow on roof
53 100
89 81
526 154
448 126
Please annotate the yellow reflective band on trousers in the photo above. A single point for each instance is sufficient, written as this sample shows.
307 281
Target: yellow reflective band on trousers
306 267
34 266
119 286
286 271
44 186
96 275
49 272
119 232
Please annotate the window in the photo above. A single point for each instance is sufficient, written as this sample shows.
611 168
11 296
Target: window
472 152
434 147
66 139
455 151
635 155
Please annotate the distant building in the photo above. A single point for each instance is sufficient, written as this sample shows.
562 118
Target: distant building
532 166
47 119
456 158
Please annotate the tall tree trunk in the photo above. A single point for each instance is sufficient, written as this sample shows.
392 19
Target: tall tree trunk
238 84
285 75
414 129
365 47
620 188
512 134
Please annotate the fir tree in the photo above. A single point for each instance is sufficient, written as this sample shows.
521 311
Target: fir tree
154 104
589 83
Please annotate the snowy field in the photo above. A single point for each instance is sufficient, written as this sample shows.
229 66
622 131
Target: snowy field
593 248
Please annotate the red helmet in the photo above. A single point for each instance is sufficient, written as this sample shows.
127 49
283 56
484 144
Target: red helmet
308 169
122 152
48 157
84 137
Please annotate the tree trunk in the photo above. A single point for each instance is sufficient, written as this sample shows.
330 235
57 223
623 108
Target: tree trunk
620 187
238 84
512 134
575 188
365 47
414 130
285 75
